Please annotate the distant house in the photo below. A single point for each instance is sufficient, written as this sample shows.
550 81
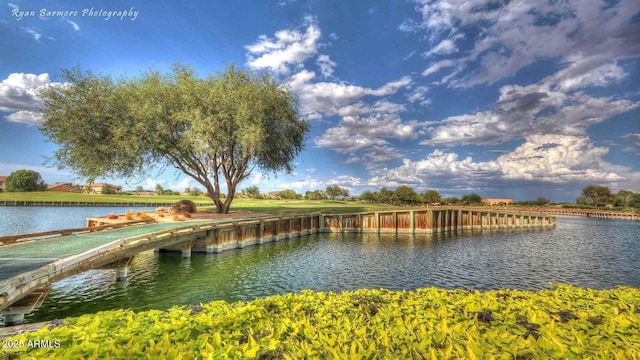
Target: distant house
3 183
97 188
273 195
146 193
63 187
492 201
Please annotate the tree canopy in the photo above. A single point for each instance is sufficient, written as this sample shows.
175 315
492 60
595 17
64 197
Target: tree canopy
598 195
472 198
216 129
624 198
289 194
406 195
432 197
252 192
24 181
315 195
334 191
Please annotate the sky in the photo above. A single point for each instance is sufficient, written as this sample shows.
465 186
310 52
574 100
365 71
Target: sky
516 99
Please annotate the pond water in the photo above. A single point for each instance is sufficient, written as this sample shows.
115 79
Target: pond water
30 219
580 251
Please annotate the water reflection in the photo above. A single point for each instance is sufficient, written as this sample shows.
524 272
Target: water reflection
584 252
28 219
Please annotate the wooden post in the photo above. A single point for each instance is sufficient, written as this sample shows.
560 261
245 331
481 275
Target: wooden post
412 221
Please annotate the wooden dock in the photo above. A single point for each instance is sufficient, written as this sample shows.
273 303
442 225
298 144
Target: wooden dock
590 213
436 220
116 250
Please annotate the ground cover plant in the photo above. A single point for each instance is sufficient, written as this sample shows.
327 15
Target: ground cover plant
562 322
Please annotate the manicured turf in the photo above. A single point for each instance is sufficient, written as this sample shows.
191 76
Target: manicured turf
74 197
239 204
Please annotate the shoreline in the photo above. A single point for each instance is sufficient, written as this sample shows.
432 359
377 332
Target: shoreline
595 213
27 203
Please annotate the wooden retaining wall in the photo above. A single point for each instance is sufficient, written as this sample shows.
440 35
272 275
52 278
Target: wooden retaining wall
235 235
220 236
591 213
431 221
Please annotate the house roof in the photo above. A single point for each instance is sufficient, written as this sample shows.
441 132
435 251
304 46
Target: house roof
57 185
3 178
101 185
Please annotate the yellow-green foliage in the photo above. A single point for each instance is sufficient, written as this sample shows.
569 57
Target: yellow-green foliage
563 322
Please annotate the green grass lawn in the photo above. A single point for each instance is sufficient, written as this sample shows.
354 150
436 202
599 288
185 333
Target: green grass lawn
254 205
74 197
305 206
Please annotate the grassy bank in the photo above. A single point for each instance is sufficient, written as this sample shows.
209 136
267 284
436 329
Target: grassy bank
51 196
239 204
305 206
559 323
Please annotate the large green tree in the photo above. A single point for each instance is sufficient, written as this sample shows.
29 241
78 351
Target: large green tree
472 198
386 196
368 196
25 180
334 191
252 192
432 197
598 195
406 195
215 129
315 195
624 198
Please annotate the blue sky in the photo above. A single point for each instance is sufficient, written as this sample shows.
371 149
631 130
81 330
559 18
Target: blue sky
502 98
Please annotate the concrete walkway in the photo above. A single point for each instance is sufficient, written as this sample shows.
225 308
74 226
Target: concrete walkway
30 255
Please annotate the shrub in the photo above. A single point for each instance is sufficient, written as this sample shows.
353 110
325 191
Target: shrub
185 206
143 215
128 215
563 322
186 214
112 216
161 209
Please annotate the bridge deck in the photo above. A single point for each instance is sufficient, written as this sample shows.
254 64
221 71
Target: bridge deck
30 255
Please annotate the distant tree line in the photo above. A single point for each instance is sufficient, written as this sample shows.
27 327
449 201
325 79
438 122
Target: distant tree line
405 195
539 201
330 192
600 196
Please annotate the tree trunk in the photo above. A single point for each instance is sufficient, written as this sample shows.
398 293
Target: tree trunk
215 197
227 201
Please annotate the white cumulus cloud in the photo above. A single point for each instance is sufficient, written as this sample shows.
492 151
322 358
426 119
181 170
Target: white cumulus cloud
19 97
288 48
